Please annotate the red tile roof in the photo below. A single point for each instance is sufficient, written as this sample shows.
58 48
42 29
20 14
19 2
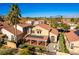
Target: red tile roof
36 38
71 36
24 24
10 28
45 26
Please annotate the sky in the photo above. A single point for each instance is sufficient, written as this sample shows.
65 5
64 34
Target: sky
43 9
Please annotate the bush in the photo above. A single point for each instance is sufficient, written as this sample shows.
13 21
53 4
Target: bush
23 45
7 51
32 50
23 52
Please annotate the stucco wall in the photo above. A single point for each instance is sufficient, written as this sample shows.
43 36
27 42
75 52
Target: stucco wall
9 34
43 33
55 36
76 43
75 46
19 28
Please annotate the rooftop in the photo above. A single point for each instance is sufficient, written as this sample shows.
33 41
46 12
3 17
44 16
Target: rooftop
45 26
34 37
72 36
24 24
10 28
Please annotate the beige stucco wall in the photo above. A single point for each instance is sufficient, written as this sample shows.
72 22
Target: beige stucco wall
55 36
67 42
76 43
9 34
75 49
20 28
44 32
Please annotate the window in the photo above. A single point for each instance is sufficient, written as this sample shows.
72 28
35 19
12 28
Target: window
72 46
12 37
33 31
52 39
38 31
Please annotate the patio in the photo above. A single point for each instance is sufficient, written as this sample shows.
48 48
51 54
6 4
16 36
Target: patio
37 40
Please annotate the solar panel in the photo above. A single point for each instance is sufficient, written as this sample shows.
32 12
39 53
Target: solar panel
77 32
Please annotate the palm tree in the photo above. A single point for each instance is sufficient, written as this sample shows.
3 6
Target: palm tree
13 16
61 17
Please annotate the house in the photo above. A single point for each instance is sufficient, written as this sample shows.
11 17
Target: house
41 33
24 27
9 30
45 30
36 22
37 35
72 40
71 24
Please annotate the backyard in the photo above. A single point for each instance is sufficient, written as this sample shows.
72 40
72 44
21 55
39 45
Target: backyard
23 49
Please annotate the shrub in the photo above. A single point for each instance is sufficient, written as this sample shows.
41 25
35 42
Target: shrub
7 51
23 45
23 52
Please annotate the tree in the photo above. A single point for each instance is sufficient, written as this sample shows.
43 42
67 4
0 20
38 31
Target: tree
72 20
77 27
65 27
59 18
13 16
55 25
62 44
1 18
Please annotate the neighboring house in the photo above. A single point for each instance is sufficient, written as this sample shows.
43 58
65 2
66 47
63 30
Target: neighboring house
36 22
24 27
9 30
72 39
41 33
71 24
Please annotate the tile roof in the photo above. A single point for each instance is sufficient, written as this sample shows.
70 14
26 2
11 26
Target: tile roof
10 28
24 24
43 38
45 26
71 36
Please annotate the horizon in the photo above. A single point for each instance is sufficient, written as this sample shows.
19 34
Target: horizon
44 9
